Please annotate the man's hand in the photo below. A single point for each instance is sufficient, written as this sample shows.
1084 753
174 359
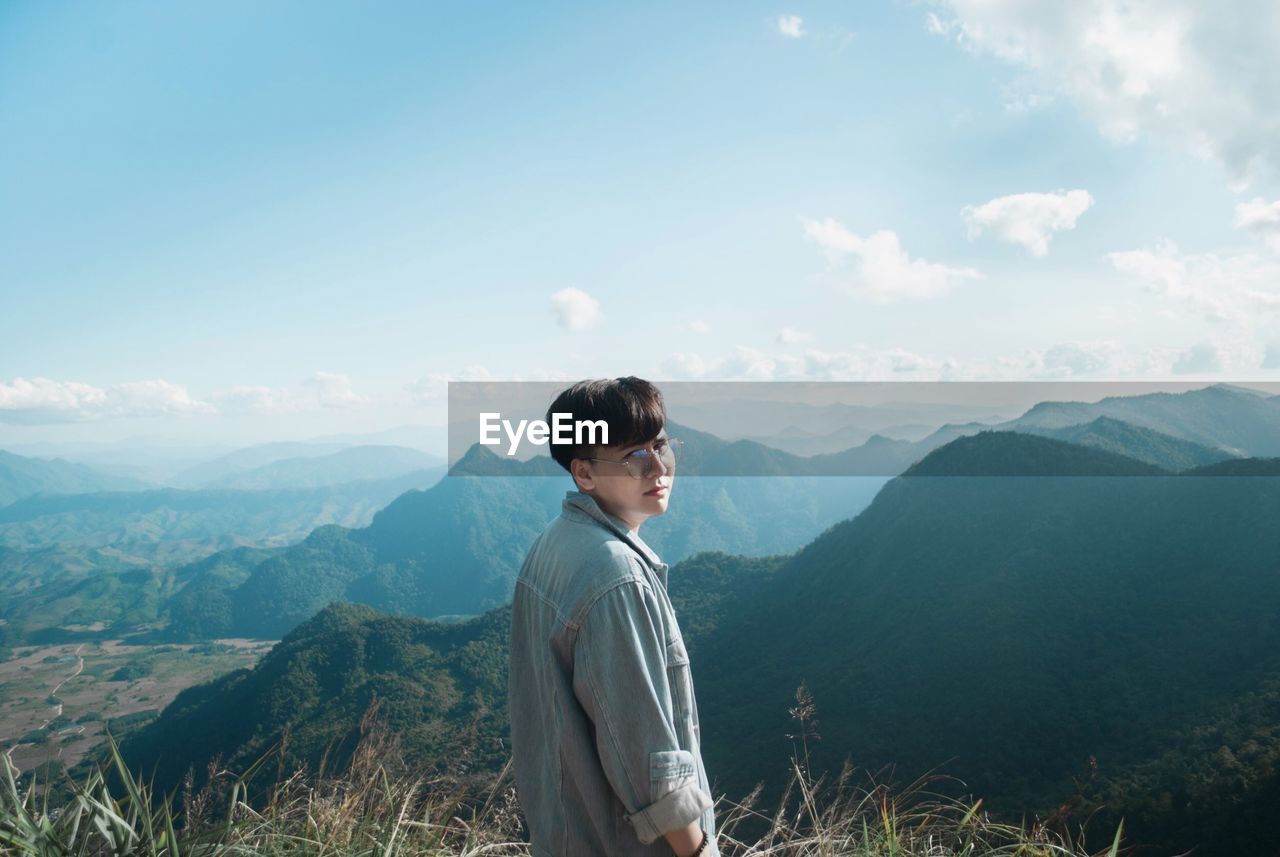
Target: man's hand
686 840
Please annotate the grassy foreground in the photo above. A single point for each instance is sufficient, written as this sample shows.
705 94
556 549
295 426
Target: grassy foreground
378 808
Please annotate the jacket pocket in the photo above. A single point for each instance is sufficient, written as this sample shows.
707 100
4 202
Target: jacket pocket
680 678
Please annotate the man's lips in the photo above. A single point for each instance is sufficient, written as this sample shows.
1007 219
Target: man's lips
661 489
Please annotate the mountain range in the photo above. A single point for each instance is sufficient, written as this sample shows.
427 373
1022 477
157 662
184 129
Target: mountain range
1031 635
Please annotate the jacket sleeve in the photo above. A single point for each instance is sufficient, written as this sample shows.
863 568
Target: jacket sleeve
620 679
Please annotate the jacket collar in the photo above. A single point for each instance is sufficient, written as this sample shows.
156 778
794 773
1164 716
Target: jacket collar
585 503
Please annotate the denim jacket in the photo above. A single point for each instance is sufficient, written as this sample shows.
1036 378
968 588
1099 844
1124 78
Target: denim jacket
605 741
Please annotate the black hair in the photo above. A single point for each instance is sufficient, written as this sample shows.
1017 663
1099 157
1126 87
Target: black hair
631 407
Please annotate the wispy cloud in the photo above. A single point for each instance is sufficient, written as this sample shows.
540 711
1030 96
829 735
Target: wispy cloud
575 309
1083 360
752 364
41 401
1223 288
433 387
1206 77
1028 219
1262 219
791 26
882 269
335 390
792 336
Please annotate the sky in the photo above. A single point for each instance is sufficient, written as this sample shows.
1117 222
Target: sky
246 221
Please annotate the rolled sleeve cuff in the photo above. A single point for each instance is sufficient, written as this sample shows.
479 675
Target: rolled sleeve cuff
675 810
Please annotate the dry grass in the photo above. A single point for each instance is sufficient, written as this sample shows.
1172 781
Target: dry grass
377 807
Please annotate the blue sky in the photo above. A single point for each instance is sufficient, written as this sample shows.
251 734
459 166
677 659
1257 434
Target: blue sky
251 220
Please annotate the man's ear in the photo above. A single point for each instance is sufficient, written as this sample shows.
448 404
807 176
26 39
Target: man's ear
581 471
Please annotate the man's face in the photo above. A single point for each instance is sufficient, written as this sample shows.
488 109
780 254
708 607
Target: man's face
617 491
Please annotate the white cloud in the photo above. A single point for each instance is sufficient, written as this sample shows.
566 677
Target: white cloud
41 401
1028 219
791 25
1233 289
883 271
1204 76
751 364
682 365
791 336
474 372
433 387
1262 219
430 388
153 398
1239 294
575 309
334 390
699 326
1079 358
1099 360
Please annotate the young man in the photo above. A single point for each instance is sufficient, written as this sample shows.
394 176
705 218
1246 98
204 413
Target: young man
604 726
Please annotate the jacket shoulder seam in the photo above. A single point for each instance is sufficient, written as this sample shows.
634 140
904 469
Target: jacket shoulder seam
591 602
537 593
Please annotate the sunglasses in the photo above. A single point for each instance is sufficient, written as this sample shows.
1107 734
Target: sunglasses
639 463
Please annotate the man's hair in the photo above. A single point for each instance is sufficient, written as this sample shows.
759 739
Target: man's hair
631 407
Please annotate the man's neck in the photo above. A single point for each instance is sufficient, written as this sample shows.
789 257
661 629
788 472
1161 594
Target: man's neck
632 527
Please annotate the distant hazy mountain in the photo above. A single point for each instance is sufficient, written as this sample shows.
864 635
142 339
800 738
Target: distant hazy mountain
1144 444
1171 431
430 439
1238 420
706 455
163 461
762 417
798 441
151 460
21 476
1010 453
884 456
344 457
249 458
457 547
1155 430
345 465
171 525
